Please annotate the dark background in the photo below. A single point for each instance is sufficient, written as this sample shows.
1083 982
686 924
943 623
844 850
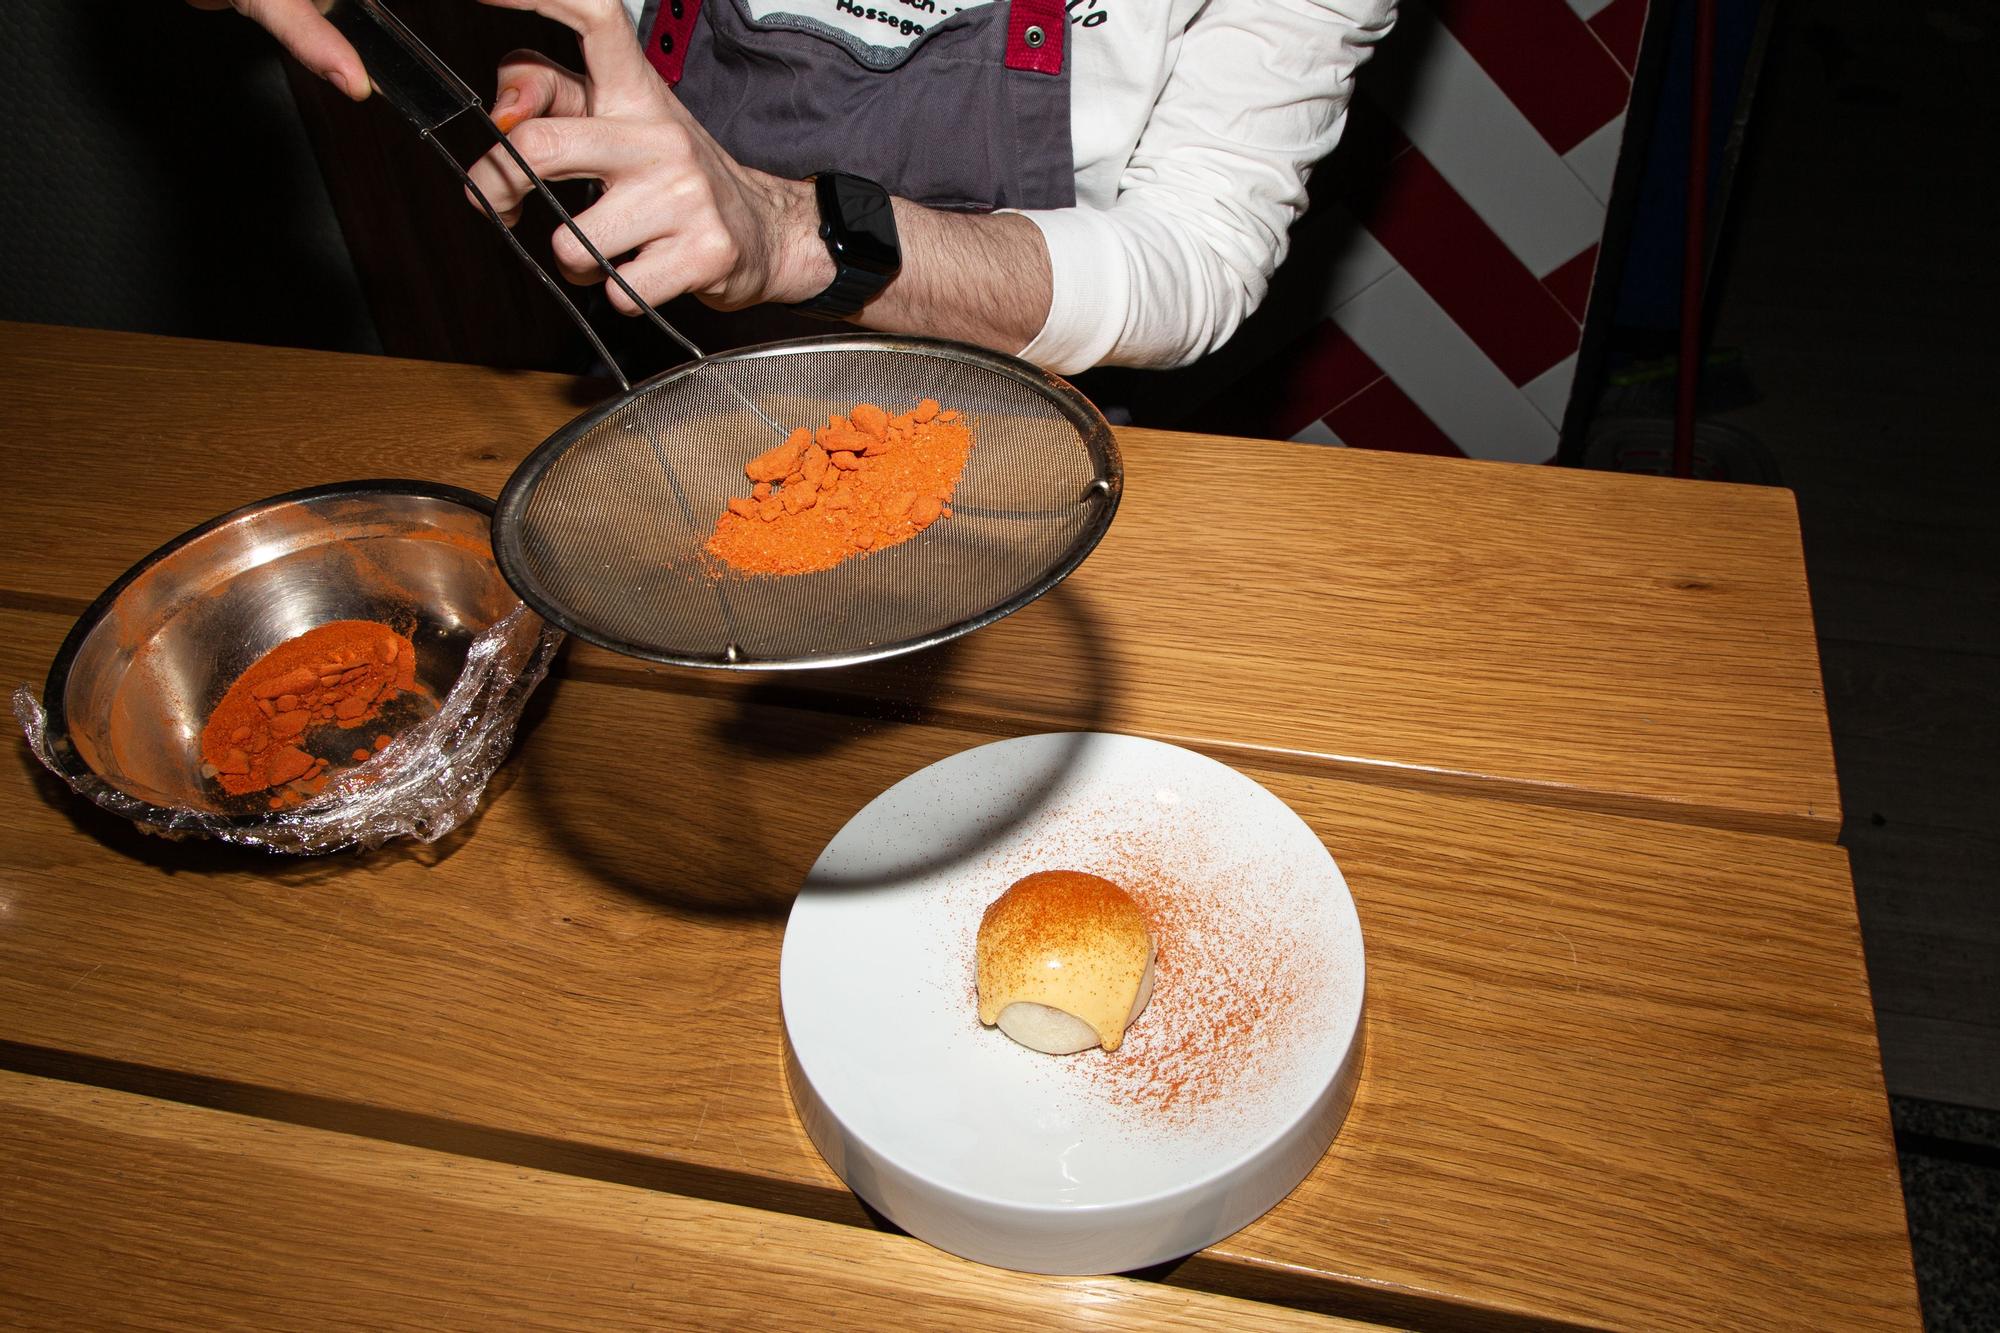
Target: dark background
158 179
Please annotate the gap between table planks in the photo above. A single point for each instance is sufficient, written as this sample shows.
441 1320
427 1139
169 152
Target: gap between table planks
230 1221
1620 1071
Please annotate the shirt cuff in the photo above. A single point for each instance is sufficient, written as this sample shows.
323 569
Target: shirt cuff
1090 290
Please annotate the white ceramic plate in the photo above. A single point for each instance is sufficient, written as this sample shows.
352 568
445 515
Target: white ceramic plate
1225 1091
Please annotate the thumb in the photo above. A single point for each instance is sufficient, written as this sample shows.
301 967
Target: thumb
531 85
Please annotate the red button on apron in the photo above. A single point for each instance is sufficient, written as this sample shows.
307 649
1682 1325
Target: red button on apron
1035 30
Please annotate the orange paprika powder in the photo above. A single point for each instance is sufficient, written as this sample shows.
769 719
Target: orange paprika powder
339 675
861 483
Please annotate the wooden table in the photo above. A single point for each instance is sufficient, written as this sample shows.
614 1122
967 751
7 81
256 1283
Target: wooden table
1562 731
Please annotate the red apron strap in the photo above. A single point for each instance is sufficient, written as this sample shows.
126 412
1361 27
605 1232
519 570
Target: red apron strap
1035 31
667 43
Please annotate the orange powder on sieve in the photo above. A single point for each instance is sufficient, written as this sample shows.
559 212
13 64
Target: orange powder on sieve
862 482
339 674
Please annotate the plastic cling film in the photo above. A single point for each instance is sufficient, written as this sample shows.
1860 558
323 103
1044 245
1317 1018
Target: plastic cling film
423 785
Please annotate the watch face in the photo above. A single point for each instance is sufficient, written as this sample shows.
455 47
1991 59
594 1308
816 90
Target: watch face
863 224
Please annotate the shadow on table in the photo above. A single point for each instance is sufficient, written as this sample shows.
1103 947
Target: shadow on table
725 817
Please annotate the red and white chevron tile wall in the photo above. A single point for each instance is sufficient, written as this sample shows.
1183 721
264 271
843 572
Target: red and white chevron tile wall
1467 204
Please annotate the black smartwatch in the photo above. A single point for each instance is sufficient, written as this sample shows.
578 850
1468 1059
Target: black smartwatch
858 225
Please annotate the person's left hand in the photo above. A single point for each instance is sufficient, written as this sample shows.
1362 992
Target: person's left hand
691 217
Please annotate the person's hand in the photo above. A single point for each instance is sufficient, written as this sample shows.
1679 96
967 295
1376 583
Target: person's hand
691 218
299 27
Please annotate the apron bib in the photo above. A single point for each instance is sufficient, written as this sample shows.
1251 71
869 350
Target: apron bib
974 114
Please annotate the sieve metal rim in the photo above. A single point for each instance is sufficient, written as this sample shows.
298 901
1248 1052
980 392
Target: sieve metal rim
1094 431
55 689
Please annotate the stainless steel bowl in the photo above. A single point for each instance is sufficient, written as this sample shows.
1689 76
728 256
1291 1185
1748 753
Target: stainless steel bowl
145 665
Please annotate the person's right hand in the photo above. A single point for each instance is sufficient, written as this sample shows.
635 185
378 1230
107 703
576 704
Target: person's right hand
303 31
691 217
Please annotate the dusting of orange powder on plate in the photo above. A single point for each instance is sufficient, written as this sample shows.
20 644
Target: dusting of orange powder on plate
860 483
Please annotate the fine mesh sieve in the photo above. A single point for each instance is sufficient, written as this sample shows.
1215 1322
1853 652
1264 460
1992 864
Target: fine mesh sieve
602 529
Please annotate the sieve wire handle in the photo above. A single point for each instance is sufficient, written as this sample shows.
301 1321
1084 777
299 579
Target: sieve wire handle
429 95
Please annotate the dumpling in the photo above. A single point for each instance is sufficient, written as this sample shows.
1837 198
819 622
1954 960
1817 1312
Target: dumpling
1064 962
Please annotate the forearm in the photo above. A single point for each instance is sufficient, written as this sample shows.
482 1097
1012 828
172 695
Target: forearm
976 277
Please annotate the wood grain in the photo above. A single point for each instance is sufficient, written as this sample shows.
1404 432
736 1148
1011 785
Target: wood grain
1621 1072
225 1221
1622 644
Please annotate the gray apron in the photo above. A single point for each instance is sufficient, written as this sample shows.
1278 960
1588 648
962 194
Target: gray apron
973 115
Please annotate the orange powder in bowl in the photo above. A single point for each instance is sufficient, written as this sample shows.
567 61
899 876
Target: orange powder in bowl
339 674
860 483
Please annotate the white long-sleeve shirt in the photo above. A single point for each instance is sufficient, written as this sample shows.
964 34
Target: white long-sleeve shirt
1194 125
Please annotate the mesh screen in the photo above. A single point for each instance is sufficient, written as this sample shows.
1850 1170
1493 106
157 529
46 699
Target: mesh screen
603 529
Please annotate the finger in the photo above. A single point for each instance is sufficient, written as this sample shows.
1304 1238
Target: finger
558 148
500 179
655 273
620 77
701 261
315 43
532 85
616 225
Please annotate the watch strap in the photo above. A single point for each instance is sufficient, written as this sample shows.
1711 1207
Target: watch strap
854 285
843 298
